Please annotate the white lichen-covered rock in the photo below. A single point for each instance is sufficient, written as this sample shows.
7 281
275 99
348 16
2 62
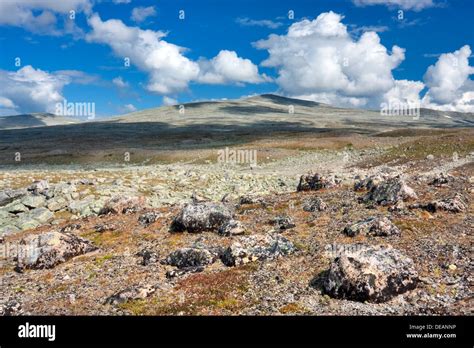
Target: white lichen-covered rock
15 208
232 228
57 203
197 217
41 215
33 201
455 204
34 218
82 207
50 249
370 273
390 192
376 226
8 196
39 187
257 247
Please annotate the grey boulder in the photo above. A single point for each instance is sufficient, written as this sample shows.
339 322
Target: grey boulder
197 217
314 182
190 257
376 226
370 273
256 247
390 191
50 249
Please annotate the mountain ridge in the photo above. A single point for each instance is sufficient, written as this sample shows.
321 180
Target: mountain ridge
264 107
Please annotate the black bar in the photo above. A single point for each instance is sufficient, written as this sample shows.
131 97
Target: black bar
243 330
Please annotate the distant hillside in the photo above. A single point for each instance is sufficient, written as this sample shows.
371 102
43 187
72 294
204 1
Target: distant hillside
34 120
258 111
272 108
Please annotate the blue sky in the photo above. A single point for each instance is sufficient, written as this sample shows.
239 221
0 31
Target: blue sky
81 66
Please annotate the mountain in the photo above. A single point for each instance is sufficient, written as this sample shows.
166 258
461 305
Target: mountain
272 108
34 120
258 110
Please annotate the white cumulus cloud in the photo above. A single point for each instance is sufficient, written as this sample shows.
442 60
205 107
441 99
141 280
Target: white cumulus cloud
139 14
31 90
227 67
448 82
318 59
169 70
405 91
40 16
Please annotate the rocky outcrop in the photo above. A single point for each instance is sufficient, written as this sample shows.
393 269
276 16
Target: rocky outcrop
369 182
57 203
390 191
256 247
37 204
314 182
34 218
82 206
197 217
370 273
375 226
190 257
33 201
50 249
16 208
454 204
8 196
